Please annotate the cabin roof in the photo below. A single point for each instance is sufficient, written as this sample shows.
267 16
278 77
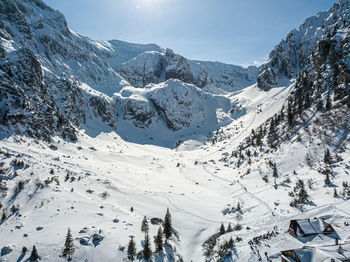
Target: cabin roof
310 226
324 254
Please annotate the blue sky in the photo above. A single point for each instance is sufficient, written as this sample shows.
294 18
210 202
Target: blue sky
232 31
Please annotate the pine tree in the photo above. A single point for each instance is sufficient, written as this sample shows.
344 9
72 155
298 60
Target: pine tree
327 157
131 250
290 115
69 249
231 243
303 195
282 113
229 228
327 180
222 229
275 172
34 255
320 105
238 206
158 240
144 225
328 102
168 229
147 251
335 193
272 126
3 217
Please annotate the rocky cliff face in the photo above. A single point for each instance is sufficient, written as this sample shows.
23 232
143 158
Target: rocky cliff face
43 67
156 67
176 104
292 55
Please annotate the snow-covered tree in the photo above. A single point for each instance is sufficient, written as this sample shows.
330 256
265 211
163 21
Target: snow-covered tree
34 255
144 225
327 157
229 228
168 229
69 248
328 102
147 251
275 172
158 240
3 217
222 229
131 250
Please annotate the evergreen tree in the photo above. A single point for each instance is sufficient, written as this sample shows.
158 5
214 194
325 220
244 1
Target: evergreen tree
231 243
238 206
303 195
282 113
308 99
258 139
290 115
272 126
222 229
335 193
328 102
275 172
327 157
327 180
34 255
229 228
168 229
69 248
144 225
131 250
147 251
158 240
320 105
3 217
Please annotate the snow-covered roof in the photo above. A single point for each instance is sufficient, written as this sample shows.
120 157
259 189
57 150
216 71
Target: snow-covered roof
333 251
311 226
324 254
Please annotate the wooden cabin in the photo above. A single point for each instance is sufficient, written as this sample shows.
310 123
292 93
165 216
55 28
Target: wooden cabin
309 227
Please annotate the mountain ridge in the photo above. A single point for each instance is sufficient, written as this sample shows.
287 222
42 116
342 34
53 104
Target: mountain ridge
105 66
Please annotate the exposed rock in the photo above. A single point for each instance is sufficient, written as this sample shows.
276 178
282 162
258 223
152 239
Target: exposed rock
291 55
178 104
6 250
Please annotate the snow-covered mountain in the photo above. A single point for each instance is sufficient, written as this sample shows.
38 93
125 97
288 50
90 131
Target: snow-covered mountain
291 55
87 136
81 79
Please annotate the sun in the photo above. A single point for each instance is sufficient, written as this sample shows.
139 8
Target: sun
147 4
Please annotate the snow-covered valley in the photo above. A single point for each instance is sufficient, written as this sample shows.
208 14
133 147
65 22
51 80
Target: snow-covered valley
96 181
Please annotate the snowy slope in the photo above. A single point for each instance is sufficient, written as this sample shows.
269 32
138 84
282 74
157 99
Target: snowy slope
125 51
191 181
